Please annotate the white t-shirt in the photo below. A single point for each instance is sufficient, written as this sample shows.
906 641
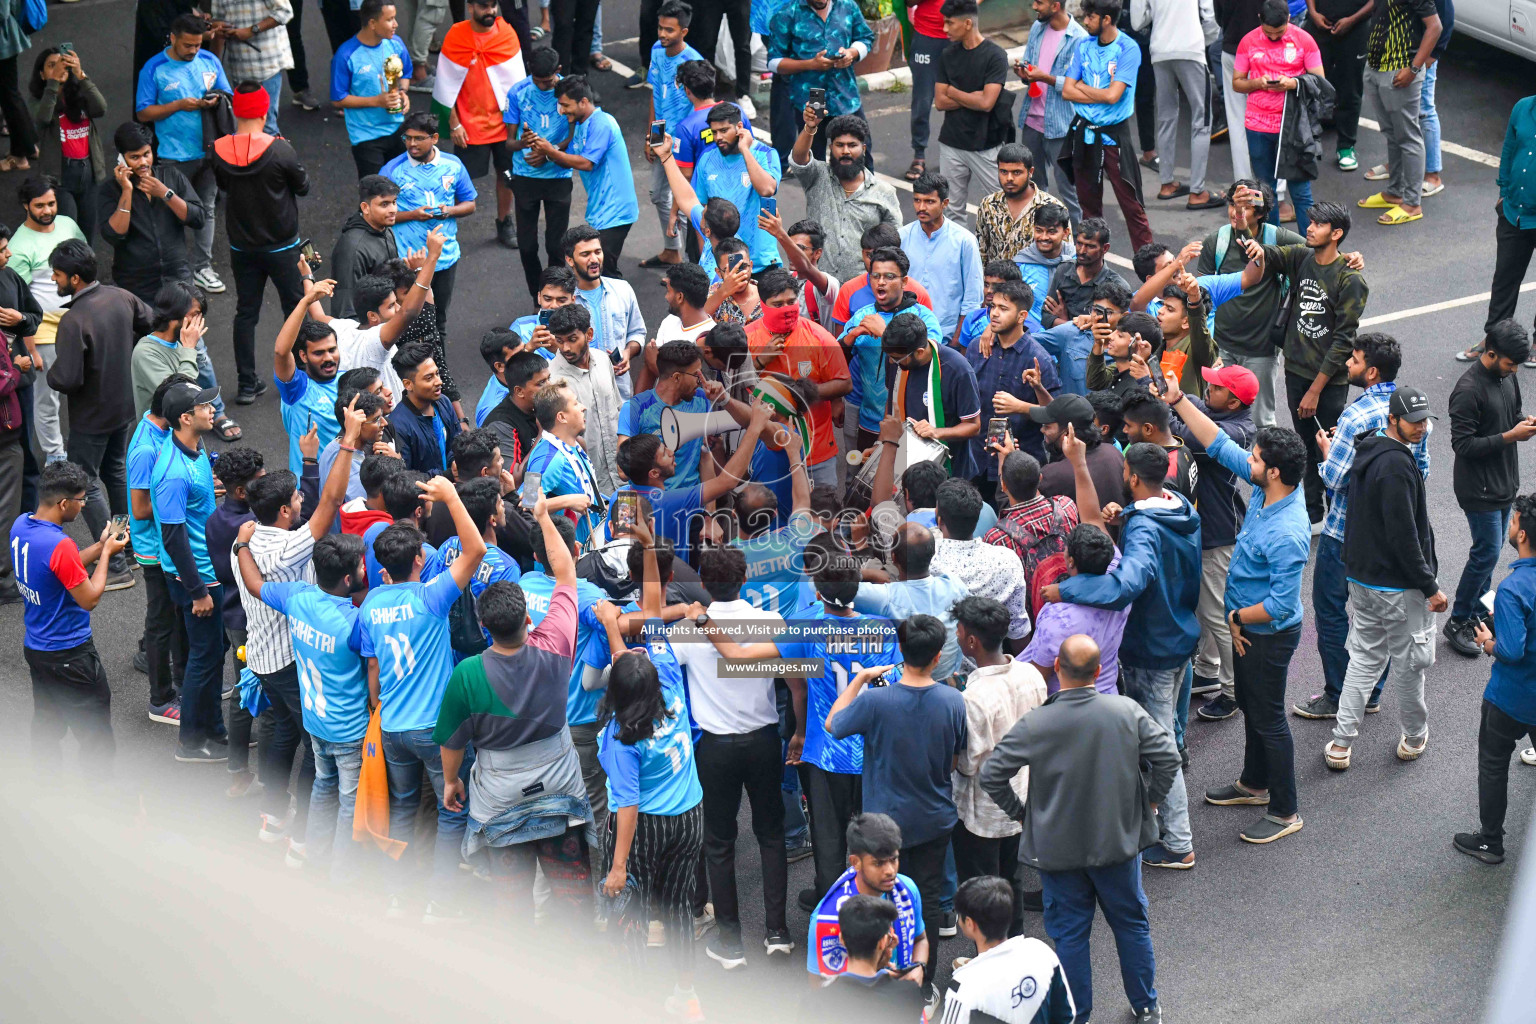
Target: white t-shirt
672 329
727 707
1012 982
823 300
362 346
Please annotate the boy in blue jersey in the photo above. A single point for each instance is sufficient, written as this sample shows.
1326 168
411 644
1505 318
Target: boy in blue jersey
368 80
482 498
172 94
326 631
670 104
565 469
305 361
776 580
866 326
166 660
435 191
597 152
181 496
69 684
874 854
533 109
975 323
744 171
405 503
680 389
1038 260
405 639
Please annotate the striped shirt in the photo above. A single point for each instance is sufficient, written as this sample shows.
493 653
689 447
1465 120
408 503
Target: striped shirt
282 556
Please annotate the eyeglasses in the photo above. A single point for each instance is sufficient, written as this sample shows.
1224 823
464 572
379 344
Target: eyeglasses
884 277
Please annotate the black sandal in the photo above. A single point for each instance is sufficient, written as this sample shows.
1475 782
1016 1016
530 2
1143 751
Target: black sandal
916 169
228 430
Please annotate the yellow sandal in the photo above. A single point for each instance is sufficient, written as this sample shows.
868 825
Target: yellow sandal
1397 215
1379 201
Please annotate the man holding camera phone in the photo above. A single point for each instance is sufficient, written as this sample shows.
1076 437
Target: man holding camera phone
814 45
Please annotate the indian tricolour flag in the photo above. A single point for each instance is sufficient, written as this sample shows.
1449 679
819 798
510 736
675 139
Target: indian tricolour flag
466 52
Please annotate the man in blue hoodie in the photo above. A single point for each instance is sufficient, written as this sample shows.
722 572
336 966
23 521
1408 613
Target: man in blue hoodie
1038 260
1159 577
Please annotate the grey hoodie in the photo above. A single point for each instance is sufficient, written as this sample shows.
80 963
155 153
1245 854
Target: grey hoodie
360 251
1037 269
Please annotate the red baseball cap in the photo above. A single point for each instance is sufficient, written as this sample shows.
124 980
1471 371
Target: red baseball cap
1237 379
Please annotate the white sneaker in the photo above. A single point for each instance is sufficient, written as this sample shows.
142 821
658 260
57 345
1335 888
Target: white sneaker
208 281
295 857
1528 756
748 109
272 830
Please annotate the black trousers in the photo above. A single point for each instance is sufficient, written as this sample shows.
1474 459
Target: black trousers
1513 258
18 118
753 761
613 247
528 195
1497 735
372 154
977 856
571 22
648 9
1146 93
1344 64
924 864
341 23
442 295
104 457
165 638
1269 753
833 798
70 692
661 863
1329 404
287 737
241 725
298 75
253 269
705 34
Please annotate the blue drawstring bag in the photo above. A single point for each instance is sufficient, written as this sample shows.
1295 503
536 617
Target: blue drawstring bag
34 15
252 697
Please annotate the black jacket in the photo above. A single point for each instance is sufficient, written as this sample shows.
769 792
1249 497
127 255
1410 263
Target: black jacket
359 251
93 353
1486 476
154 249
1301 128
263 179
1219 494
1388 541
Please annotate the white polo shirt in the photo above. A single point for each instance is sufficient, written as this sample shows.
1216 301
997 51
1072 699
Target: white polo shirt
734 706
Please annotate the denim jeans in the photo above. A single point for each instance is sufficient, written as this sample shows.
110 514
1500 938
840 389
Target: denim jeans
202 685
1269 753
1429 120
1069 898
1330 594
1489 530
338 766
405 755
199 174
1181 710
104 457
274 90
1157 690
1264 151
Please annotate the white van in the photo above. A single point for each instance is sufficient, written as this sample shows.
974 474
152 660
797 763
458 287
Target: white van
1508 24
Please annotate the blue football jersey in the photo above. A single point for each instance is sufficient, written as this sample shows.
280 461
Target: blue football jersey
776 580
538 588
849 646
405 626
327 641
825 953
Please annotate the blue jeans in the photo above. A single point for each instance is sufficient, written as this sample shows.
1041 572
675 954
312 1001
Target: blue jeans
1181 710
1330 592
797 832
207 379
951 882
1429 120
1264 151
338 767
201 684
1489 531
1156 690
274 88
405 755
1069 900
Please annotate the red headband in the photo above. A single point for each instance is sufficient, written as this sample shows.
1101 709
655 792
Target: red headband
251 105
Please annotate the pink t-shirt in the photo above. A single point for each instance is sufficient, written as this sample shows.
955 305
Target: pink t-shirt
1050 45
1262 57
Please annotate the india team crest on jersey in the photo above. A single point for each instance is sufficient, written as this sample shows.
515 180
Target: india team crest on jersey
1111 69
209 77
805 367
447 181
829 947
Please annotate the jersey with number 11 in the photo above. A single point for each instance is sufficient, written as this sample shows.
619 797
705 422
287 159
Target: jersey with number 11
327 636
848 646
405 626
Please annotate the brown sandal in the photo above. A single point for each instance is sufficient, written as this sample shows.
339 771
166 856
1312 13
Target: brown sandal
916 169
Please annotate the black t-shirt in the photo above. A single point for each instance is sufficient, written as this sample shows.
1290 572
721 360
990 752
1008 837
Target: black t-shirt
971 71
850 999
958 395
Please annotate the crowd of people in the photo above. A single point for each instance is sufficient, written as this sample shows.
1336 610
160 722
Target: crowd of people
923 534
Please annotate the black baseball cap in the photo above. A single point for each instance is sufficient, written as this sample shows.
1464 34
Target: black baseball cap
183 398
1063 409
1410 404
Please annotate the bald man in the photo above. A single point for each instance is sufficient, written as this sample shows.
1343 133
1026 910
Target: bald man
1089 816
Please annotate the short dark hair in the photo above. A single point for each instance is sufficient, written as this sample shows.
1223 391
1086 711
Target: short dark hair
864 921
1505 338
1173 293
495 342
175 300
988 901
847 124
677 354
34 187
637 457
1144 260
480 495
905 333
473 451
370 292
1113 291
837 578
238 466
1266 195
1144 324
59 480
375 186
1381 351
635 557
729 245
402 498
375 470
1143 407
1015 153
958 503
723 220
578 233
1021 295
676 9
958 9
74 258
697 77
130 137
873 835
336 556
420 121
723 571
921 638
399 272
1090 549
891 254
267 495
1332 214
1052 215
522 368
920 483
1103 8
776 281
723 113
881 236
567 533
985 618
1281 448
575 87
1274 13
396 549
313 330
543 61
157 400
811 229
560 276
573 316
503 610
1021 475
550 402
359 378
1147 462
409 357
690 281
931 183
1106 409
1096 228
1003 270
189 24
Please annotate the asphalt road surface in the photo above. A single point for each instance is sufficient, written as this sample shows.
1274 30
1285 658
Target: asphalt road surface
1366 915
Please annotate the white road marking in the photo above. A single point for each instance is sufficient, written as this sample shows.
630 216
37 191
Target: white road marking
1436 307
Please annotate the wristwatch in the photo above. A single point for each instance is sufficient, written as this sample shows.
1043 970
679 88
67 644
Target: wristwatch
240 545
701 620
1236 618
170 194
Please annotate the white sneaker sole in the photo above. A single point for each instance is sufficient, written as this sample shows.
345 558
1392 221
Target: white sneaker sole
164 719
1528 756
729 963
1407 753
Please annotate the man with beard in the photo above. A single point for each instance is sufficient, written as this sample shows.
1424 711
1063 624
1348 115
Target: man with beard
305 360
92 368
1103 458
367 239
618 329
591 378
1013 374
424 421
679 387
147 232
1005 220
841 194
866 363
744 171
1070 293
435 191
1049 244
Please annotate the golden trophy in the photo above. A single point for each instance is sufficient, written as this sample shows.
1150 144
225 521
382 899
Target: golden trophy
394 68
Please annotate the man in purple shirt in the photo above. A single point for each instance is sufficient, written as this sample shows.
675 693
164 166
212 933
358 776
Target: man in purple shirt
1089 550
